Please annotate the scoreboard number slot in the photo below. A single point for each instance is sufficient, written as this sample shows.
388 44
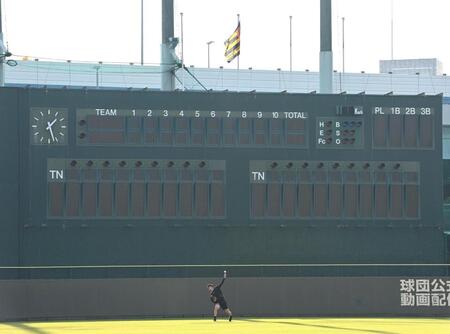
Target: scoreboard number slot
141 189
403 127
334 190
207 128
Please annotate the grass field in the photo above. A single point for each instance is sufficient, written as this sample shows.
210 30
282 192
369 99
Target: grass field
238 326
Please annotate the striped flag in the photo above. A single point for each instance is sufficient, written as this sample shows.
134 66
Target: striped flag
233 44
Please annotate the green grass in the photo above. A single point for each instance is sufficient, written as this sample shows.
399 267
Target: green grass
238 326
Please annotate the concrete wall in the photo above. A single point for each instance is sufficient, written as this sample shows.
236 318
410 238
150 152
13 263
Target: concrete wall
188 297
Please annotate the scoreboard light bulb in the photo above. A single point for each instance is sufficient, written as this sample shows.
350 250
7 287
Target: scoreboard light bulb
320 165
305 165
351 165
82 122
170 164
89 163
82 135
106 163
289 165
335 165
202 164
73 163
186 164
274 164
366 165
154 163
122 163
138 163
397 166
381 166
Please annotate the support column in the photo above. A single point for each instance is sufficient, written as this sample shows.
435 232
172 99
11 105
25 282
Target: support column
326 53
167 47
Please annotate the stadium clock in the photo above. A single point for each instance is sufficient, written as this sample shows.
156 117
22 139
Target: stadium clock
48 126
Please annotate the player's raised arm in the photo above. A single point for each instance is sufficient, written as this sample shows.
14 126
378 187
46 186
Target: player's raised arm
223 279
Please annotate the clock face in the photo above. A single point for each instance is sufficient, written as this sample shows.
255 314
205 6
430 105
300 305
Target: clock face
48 126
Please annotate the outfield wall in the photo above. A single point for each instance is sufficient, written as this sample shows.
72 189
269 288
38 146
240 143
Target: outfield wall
251 180
188 297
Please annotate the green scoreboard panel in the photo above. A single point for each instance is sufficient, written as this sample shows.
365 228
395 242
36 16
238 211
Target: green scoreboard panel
197 128
262 177
187 189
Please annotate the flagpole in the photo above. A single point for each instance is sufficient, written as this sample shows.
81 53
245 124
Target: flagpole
290 43
182 39
142 32
392 30
238 19
343 50
182 50
3 51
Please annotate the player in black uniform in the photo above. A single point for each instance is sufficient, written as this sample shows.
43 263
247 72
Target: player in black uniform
217 298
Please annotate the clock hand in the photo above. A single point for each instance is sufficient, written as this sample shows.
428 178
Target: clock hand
51 124
49 127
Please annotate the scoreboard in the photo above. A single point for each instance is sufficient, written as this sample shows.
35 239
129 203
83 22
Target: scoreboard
205 128
221 177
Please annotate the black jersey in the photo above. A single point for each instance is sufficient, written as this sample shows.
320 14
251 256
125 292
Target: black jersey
217 294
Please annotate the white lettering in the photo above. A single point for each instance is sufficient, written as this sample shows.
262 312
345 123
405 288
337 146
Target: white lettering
56 174
378 111
395 110
295 114
106 112
425 111
258 176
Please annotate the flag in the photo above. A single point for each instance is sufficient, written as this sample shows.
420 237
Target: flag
233 44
